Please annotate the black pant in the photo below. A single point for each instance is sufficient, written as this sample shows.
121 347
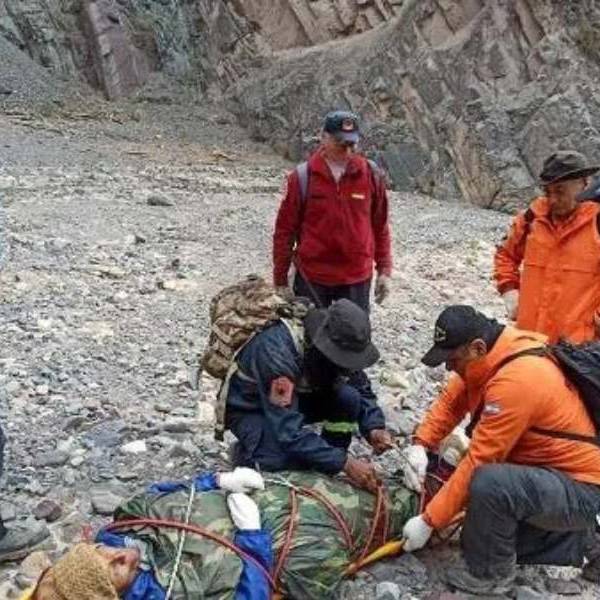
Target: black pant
258 444
526 515
359 293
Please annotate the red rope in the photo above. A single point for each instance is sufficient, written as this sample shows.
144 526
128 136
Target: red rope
198 531
379 505
287 544
344 528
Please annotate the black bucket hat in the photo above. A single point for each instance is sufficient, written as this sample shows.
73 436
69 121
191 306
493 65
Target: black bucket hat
342 333
566 164
591 192
456 326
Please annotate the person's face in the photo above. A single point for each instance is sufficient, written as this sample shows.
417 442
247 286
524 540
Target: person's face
122 565
562 196
461 357
335 149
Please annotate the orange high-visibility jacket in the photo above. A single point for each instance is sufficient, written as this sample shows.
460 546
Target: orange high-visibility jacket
527 392
559 281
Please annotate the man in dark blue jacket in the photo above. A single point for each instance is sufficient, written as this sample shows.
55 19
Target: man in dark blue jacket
283 383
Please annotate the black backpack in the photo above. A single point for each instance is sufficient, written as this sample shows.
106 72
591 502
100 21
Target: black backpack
581 365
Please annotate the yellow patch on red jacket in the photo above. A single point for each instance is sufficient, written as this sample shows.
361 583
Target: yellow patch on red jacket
356 196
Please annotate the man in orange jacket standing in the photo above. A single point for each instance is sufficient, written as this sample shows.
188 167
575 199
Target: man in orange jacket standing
548 267
333 222
531 495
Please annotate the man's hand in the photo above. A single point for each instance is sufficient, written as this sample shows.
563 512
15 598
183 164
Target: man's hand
381 440
361 474
416 467
241 479
416 533
511 302
383 288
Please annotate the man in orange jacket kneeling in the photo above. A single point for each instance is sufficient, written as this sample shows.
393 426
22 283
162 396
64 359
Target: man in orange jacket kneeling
531 497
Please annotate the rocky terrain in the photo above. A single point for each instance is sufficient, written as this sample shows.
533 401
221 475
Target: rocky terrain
458 99
122 221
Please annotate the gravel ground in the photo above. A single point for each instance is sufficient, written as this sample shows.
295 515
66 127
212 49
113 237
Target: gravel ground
121 228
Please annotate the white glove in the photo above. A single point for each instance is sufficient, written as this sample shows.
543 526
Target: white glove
416 534
383 288
511 302
241 479
454 446
414 472
244 512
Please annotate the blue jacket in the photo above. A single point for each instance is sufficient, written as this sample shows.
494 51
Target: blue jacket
272 354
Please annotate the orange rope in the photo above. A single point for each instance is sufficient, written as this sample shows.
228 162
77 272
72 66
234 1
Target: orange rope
287 544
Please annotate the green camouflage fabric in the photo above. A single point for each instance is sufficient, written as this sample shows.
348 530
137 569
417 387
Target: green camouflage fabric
318 556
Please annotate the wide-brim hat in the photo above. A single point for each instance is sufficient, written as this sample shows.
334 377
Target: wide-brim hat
564 165
343 334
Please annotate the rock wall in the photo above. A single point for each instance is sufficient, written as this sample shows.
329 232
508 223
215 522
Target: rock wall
459 99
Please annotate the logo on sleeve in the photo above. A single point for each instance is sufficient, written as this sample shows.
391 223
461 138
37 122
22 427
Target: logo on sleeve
491 409
282 390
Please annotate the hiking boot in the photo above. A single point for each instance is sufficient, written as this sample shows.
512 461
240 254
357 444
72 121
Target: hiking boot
19 541
461 578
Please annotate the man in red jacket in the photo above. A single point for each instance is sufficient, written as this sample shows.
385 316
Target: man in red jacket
338 230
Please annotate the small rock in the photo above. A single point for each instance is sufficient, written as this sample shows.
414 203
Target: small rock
34 564
54 458
156 200
394 379
563 587
105 502
526 593
169 284
77 461
386 590
110 272
180 426
47 510
12 387
42 390
136 447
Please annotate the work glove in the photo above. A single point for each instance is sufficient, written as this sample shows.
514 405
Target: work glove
381 440
383 288
416 467
416 534
511 302
361 474
454 446
241 479
244 511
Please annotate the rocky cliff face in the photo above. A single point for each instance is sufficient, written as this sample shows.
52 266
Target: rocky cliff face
459 99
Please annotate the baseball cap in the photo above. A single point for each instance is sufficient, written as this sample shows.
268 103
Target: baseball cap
457 325
343 126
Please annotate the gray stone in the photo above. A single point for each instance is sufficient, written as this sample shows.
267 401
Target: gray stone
104 502
386 590
155 200
54 458
47 510
563 587
527 593
106 435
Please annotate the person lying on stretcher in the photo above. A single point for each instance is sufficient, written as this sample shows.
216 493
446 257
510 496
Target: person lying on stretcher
297 536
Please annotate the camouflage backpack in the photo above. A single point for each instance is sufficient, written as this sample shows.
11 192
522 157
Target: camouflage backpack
237 313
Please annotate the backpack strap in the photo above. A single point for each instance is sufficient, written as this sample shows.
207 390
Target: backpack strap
537 351
543 351
302 172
